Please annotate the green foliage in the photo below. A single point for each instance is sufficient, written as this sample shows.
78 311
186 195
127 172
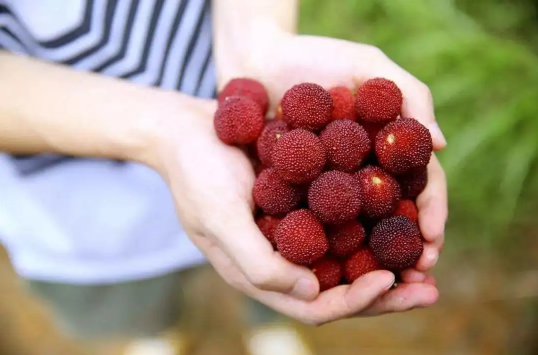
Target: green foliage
483 73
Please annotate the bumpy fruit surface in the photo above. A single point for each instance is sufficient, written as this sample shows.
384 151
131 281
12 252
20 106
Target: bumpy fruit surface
300 237
359 264
380 192
271 133
372 129
343 103
328 271
335 197
238 121
298 156
273 195
397 243
408 209
378 100
308 106
246 87
403 145
345 239
413 182
347 145
267 225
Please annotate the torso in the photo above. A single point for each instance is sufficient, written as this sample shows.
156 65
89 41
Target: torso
58 207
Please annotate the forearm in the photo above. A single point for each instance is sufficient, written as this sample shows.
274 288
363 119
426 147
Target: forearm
244 31
47 108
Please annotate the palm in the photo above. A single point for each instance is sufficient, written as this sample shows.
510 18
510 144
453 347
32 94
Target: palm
330 62
212 184
210 179
312 59
218 191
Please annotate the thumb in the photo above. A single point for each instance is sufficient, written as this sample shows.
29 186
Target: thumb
240 238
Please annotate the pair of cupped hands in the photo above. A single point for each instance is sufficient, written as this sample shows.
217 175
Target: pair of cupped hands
212 183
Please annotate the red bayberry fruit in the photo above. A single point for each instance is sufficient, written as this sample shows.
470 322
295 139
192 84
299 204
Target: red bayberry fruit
308 106
378 100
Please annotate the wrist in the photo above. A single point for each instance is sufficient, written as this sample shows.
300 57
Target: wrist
166 121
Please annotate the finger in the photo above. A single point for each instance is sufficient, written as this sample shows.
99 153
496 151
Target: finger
432 204
418 104
430 280
344 301
403 298
433 211
417 100
413 276
429 257
239 237
331 305
336 303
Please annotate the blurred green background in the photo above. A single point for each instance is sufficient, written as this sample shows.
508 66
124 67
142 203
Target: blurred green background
480 59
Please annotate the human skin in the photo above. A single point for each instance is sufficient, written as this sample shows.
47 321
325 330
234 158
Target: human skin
49 108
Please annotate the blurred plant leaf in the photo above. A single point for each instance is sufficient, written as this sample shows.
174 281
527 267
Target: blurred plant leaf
482 131
518 164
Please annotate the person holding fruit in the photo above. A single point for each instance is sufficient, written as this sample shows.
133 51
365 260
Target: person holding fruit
112 175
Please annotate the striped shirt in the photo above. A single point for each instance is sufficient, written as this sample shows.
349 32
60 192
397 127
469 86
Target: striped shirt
90 220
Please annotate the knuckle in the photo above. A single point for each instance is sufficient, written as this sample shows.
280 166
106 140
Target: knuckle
318 318
235 280
236 283
263 280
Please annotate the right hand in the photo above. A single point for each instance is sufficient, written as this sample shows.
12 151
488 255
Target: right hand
211 183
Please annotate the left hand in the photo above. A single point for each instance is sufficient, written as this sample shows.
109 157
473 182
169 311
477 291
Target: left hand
292 59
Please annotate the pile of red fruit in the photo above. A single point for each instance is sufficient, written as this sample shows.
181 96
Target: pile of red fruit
338 172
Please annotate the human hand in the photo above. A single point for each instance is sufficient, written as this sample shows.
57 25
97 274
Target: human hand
288 59
212 183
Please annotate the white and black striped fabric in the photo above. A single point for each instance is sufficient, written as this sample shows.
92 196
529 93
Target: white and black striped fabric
165 43
87 220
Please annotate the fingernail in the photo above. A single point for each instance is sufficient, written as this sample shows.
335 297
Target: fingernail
304 290
432 257
436 133
391 283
